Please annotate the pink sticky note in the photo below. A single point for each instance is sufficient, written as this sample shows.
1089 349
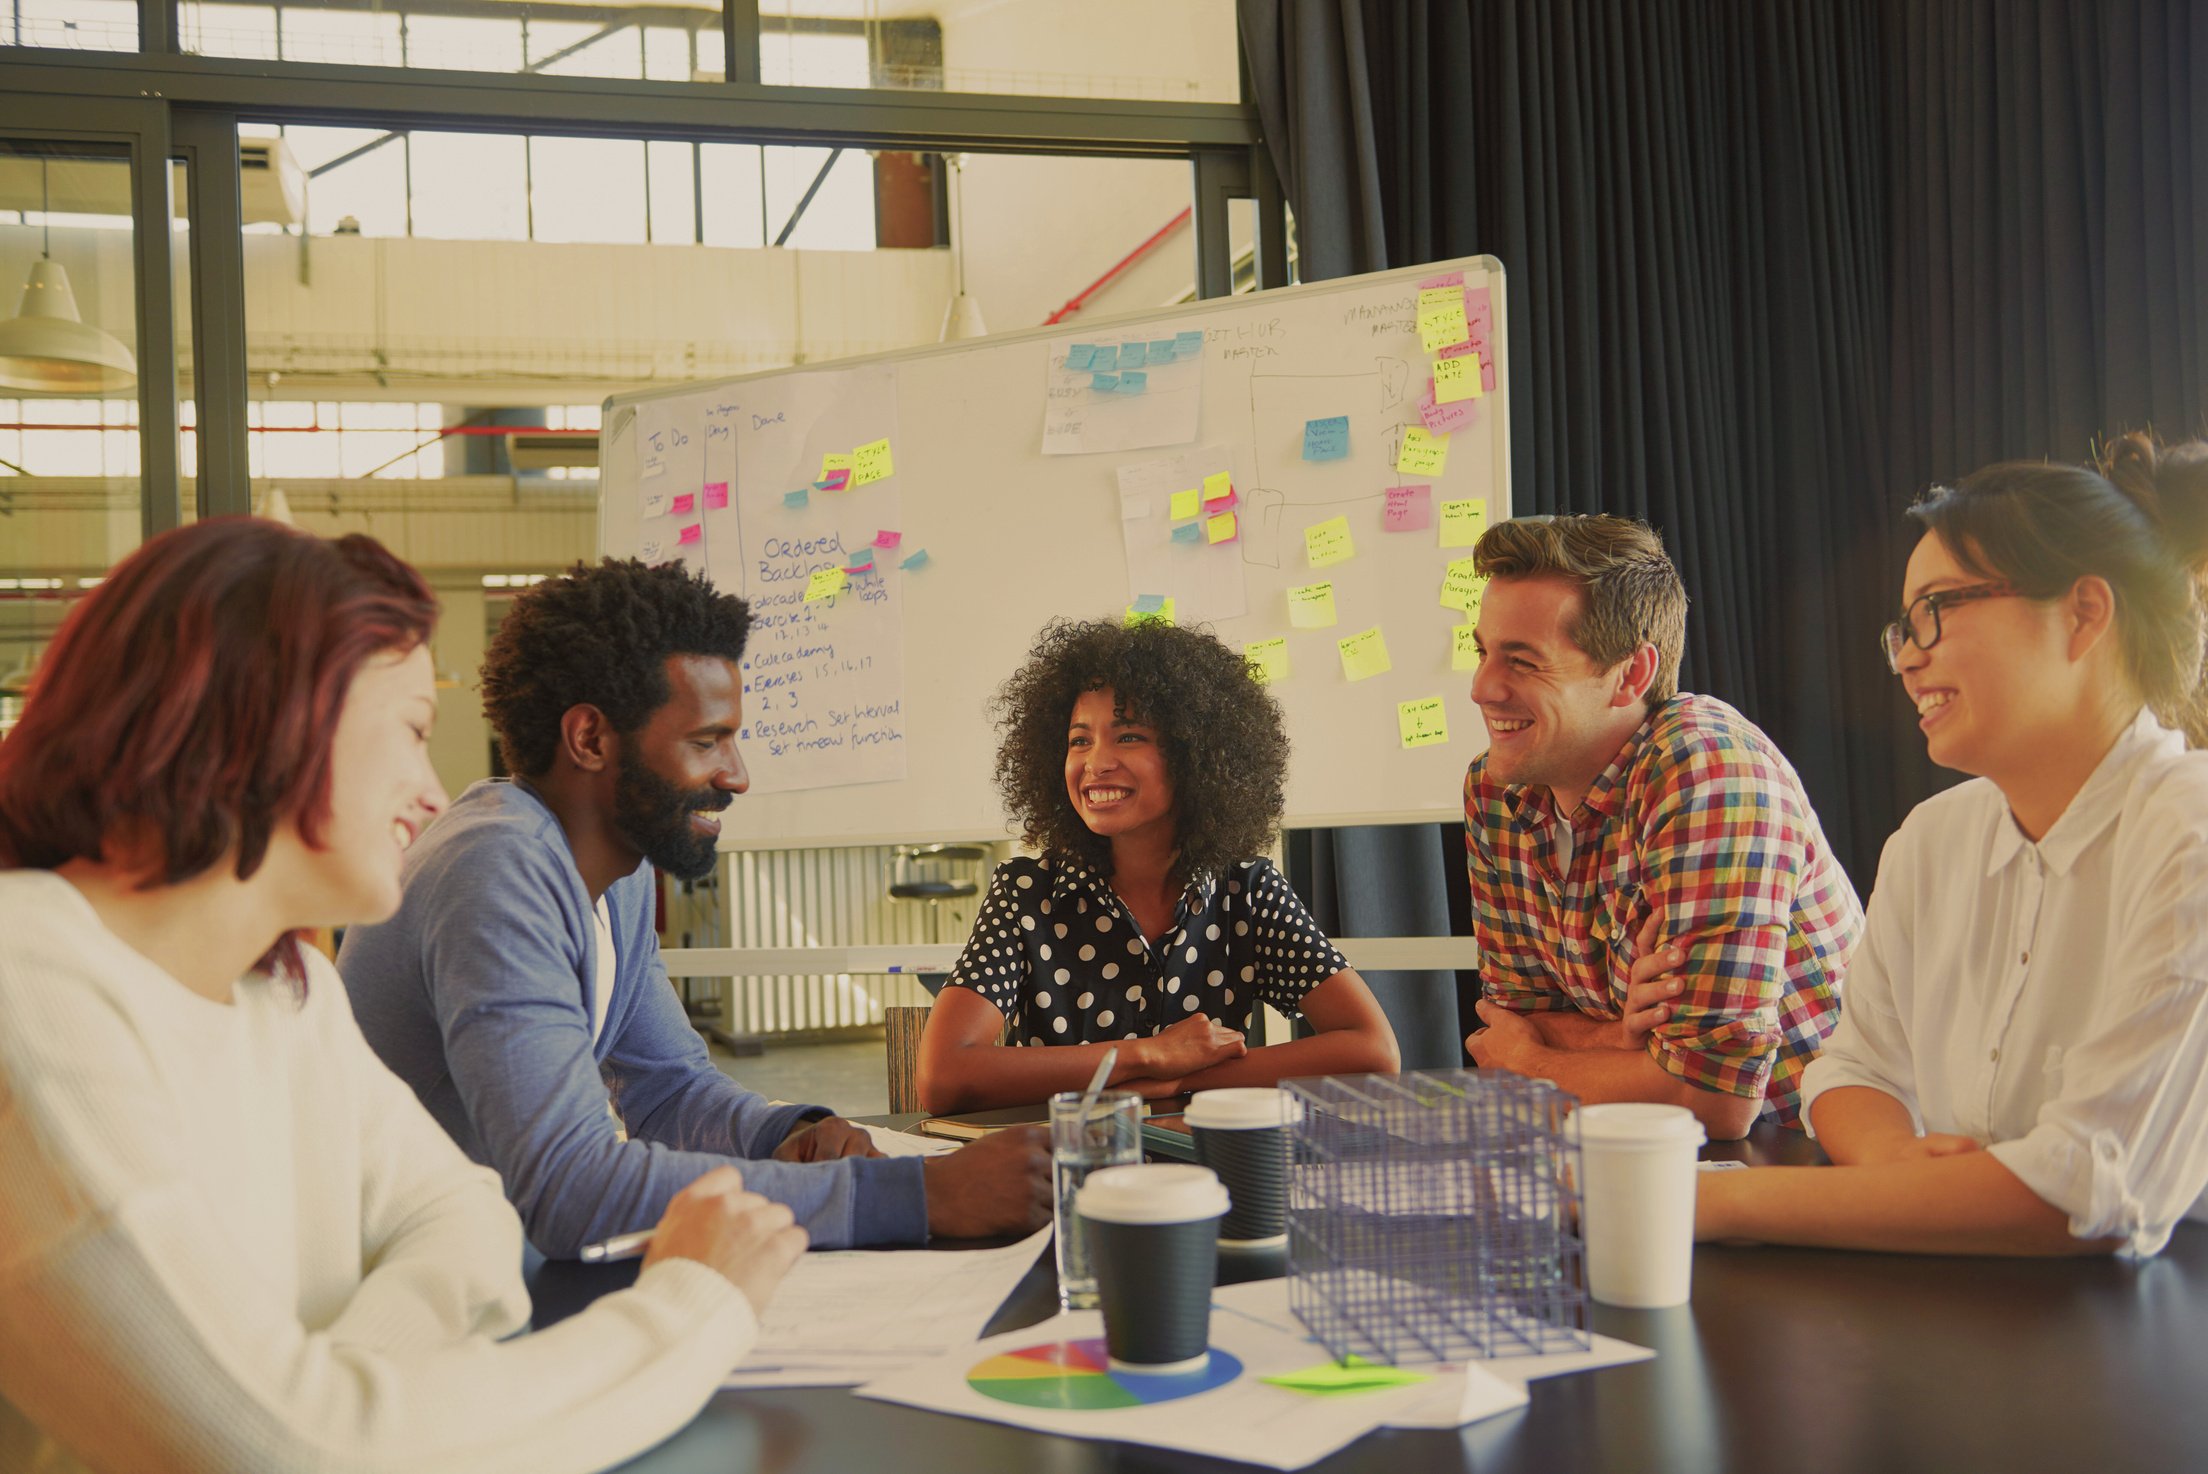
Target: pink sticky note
1222 503
1408 509
836 480
887 539
716 495
684 505
1479 313
1453 279
1444 419
691 534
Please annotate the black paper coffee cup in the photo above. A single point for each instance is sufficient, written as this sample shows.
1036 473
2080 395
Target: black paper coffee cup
1243 1136
1153 1235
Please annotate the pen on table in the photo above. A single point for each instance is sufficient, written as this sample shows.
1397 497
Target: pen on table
620 1246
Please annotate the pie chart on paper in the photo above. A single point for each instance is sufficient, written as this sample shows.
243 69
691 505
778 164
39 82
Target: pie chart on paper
1078 1375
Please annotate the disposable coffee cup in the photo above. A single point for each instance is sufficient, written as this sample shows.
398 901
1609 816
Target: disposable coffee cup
1637 1178
1153 1234
1243 1136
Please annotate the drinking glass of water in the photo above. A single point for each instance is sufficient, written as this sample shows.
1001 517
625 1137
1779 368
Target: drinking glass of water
1109 1134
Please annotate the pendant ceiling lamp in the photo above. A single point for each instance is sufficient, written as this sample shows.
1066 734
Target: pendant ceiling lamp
962 319
46 348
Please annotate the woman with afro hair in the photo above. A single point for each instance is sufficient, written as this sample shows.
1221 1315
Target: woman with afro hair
1146 766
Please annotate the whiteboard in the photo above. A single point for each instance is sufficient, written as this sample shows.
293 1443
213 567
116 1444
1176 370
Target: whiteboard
1015 536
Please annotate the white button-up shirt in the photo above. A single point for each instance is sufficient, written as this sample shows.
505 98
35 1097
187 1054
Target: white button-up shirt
2050 999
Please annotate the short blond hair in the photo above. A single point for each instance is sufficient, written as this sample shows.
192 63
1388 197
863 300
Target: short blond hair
1631 593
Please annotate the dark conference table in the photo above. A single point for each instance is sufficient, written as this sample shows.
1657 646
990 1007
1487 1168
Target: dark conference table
1794 1361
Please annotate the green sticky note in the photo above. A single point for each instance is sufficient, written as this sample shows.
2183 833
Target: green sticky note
1331 1378
1268 660
825 583
1364 654
1312 606
870 463
1423 454
1327 543
1422 723
1464 650
1462 523
1186 504
1462 585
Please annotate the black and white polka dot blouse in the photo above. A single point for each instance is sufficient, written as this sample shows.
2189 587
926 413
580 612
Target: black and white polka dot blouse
1061 957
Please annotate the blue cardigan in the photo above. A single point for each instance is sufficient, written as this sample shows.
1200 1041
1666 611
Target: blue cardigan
478 994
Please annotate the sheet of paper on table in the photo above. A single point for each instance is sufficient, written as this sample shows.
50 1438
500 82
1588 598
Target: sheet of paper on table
1265 1303
1247 1418
845 1316
893 1143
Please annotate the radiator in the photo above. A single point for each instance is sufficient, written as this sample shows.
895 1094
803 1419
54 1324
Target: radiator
815 897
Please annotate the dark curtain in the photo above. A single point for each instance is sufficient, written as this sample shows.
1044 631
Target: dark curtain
1774 268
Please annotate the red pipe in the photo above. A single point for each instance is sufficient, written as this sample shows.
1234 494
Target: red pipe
1081 298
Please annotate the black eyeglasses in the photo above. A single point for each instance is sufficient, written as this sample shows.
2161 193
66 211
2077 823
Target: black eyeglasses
1919 624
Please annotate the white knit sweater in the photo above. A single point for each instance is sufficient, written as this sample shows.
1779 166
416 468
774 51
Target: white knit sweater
230 1240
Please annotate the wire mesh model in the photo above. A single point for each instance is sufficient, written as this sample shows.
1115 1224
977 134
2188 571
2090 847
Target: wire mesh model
1432 1216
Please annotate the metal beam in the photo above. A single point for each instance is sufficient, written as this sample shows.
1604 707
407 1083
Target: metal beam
740 41
208 142
806 200
399 98
1220 175
1272 219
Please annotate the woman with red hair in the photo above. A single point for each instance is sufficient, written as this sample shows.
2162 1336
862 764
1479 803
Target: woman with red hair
229 1238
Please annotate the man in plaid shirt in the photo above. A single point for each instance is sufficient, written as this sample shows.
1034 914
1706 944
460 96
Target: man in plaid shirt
1659 916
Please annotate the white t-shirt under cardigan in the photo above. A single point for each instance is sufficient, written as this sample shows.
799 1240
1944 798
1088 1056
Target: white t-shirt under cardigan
2050 999
231 1240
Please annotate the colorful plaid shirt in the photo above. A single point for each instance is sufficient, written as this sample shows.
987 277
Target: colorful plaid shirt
1700 817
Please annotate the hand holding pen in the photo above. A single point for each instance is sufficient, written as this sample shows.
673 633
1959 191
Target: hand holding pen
749 1241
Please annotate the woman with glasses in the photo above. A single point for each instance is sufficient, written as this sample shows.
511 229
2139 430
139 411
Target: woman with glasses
230 1239
2021 1065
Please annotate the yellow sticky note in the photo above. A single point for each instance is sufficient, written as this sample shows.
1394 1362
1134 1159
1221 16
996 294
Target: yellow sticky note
1456 378
1329 542
870 462
1424 453
1136 614
1220 529
1422 723
1364 654
825 583
1312 606
1185 505
1217 485
1461 587
1443 326
1268 660
1462 523
1435 299
833 462
1464 650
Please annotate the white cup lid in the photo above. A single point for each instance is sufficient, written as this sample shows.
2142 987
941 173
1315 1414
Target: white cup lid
1638 1123
1156 1192
1242 1109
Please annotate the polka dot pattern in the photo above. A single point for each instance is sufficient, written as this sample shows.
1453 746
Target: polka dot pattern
1234 940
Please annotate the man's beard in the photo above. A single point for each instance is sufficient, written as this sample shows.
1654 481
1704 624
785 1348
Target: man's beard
653 815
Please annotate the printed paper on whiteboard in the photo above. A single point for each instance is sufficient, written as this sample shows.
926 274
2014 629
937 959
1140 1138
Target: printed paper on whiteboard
1204 578
1081 418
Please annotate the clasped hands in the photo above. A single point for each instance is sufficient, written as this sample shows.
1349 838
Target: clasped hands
1513 1041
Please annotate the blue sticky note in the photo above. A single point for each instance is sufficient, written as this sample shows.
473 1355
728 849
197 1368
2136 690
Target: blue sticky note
1326 440
863 558
1133 381
1078 356
1104 383
1105 359
797 498
1133 355
1149 603
1189 532
1162 351
1187 343
917 559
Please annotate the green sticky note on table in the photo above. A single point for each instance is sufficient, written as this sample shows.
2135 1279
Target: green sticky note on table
1462 523
1268 660
1327 543
825 583
1364 654
1422 723
1312 606
1464 649
1423 453
1461 586
1186 504
871 463
1332 1378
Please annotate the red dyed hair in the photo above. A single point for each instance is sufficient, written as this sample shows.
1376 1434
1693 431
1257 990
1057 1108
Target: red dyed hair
187 706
